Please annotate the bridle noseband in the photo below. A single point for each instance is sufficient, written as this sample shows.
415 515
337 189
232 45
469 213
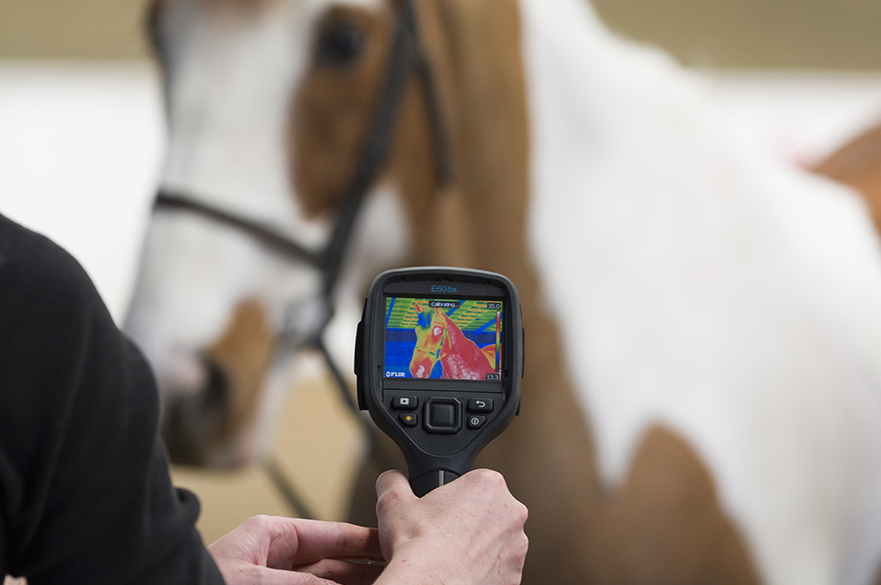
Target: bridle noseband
405 58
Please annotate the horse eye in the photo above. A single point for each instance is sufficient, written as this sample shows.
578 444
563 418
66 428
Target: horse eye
339 44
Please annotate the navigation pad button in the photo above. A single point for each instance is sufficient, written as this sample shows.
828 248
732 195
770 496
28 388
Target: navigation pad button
443 415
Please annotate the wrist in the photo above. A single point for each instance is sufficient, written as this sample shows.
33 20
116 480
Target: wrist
407 569
417 562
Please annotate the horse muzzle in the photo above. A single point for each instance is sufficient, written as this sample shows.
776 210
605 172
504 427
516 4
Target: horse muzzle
195 423
208 414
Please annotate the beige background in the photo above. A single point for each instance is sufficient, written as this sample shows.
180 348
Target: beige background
840 34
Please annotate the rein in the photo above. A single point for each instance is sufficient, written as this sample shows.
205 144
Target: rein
405 59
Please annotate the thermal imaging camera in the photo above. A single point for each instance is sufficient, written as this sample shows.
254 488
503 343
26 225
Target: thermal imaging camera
439 359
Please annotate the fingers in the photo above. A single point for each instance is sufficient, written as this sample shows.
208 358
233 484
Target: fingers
246 573
326 572
296 542
343 572
275 577
265 549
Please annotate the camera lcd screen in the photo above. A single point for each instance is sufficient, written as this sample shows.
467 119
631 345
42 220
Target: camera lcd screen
454 339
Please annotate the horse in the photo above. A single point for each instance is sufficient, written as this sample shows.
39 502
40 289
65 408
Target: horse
440 341
701 389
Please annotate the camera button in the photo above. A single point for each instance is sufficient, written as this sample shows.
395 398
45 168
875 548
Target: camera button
443 415
405 403
480 405
409 419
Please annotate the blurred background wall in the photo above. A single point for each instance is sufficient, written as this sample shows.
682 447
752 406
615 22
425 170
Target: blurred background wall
81 139
72 29
748 34
744 34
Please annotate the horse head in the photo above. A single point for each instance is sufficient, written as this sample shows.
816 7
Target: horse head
290 182
431 331
439 340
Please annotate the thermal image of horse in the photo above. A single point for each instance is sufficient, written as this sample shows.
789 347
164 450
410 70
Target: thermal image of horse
439 339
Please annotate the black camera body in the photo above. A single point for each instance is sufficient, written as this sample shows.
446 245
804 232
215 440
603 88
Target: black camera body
439 359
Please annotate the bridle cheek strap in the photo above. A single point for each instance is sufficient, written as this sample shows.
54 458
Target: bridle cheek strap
406 55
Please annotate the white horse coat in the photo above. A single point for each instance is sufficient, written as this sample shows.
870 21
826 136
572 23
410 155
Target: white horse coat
698 285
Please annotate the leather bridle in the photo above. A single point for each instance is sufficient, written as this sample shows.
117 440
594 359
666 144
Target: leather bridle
406 58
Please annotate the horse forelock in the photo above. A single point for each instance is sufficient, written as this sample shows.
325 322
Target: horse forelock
424 319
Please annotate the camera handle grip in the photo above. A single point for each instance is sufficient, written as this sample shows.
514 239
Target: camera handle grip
433 479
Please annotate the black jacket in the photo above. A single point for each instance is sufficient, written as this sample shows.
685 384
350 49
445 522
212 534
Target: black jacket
85 495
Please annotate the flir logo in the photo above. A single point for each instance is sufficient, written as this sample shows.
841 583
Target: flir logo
442 288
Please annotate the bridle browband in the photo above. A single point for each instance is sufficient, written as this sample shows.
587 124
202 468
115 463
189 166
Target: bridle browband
405 58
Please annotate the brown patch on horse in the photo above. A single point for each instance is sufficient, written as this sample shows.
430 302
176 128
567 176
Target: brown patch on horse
858 164
669 525
474 48
664 524
332 110
243 353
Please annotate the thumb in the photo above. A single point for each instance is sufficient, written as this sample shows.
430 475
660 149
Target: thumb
393 483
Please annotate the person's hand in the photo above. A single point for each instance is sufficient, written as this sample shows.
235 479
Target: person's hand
469 531
272 550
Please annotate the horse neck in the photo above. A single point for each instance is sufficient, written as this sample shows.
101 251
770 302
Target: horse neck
481 220
596 132
453 336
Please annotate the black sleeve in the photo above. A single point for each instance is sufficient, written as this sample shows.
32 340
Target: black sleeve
85 495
